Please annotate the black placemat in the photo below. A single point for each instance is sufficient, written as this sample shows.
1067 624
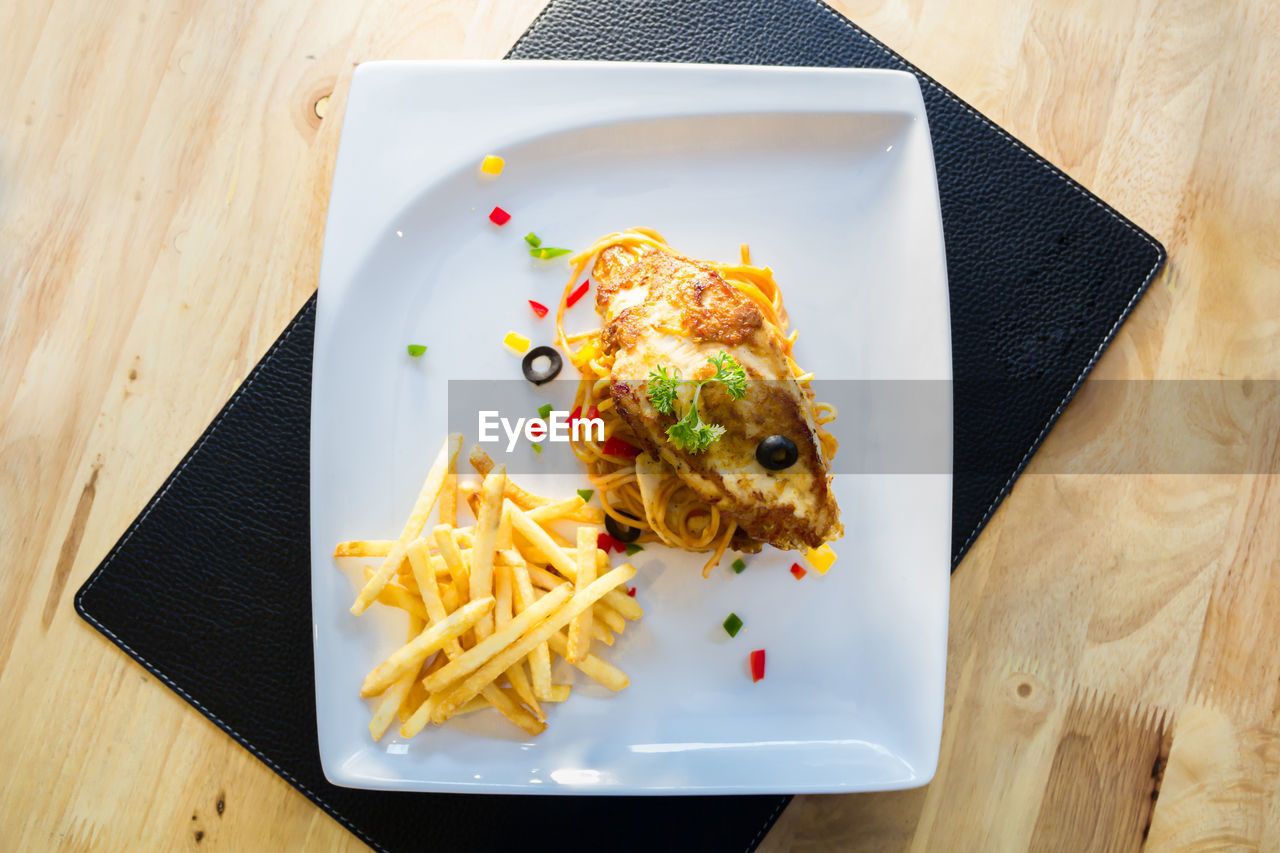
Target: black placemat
1042 274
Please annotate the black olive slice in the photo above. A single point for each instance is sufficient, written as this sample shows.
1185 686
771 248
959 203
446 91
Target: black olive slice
538 377
777 452
622 532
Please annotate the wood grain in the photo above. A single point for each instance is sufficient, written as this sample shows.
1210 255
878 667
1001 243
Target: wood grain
163 181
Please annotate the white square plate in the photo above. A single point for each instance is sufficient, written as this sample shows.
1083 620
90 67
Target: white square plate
828 175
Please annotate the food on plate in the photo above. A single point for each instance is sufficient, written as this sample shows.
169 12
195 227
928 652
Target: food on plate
713 437
821 558
489 603
516 342
541 364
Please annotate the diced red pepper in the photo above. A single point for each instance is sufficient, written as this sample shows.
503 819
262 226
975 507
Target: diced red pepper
632 592
757 665
538 308
608 544
798 570
592 413
579 292
617 447
536 430
498 216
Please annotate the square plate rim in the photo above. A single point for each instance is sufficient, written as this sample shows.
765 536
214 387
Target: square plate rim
366 74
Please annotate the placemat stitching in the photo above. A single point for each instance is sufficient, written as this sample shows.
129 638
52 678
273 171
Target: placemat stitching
783 802
173 478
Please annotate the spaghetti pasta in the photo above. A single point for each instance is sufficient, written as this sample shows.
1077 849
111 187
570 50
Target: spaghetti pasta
674 514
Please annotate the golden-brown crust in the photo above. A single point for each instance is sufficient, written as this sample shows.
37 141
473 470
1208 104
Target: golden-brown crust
709 308
790 509
716 311
611 272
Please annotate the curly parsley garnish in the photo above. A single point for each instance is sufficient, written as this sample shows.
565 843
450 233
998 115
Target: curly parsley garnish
689 432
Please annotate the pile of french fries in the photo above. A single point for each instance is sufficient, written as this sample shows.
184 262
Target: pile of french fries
491 602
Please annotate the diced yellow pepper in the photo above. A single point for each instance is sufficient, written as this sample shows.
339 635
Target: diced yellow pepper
516 342
585 353
492 165
821 558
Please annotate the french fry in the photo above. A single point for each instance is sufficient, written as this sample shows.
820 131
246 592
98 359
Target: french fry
394 595
413 526
488 648
598 629
504 703
626 606
483 464
404 574
540 657
449 497
587 515
472 497
363 548
389 704
424 576
417 693
416 696
406 580
432 639
452 557
490 516
451 599
601 633
609 617
477 704
608 675
502 595
539 538
617 599
473 684
511 709
544 579
489 597
559 509
504 532
580 627
502 588
434 603
520 684
396 694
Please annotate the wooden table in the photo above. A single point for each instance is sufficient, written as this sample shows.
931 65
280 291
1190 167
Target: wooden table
164 172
